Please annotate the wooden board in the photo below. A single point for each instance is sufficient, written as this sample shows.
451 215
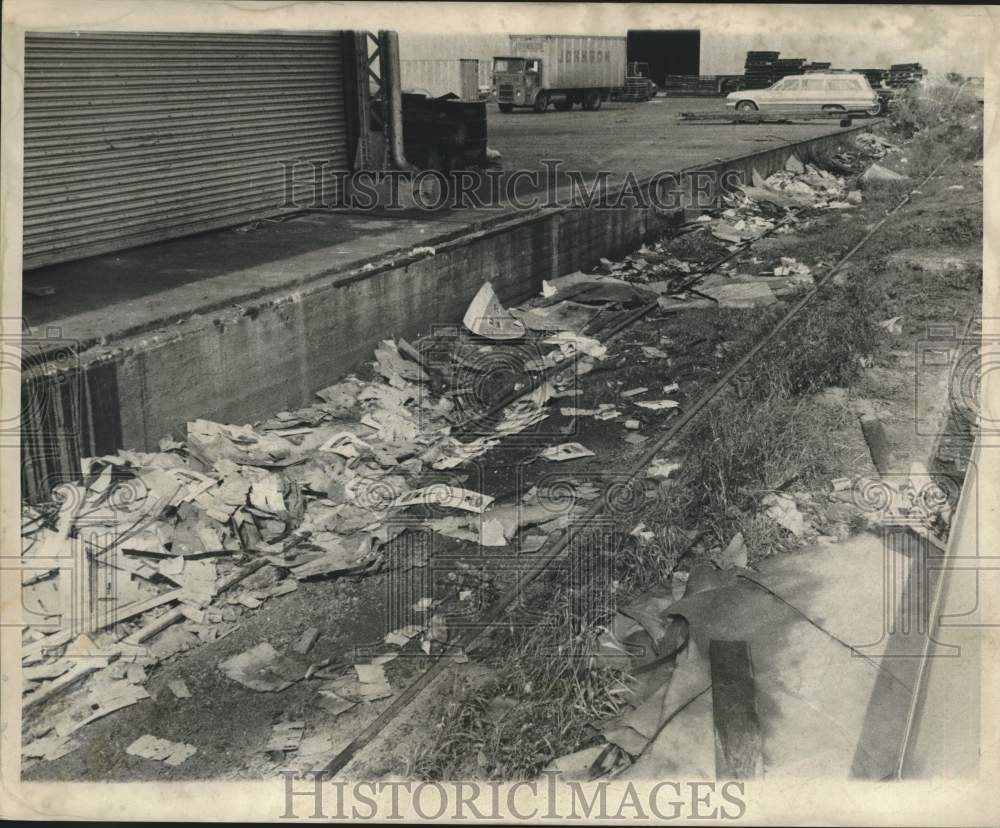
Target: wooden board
738 744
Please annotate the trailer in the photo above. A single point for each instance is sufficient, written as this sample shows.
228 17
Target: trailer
459 77
559 69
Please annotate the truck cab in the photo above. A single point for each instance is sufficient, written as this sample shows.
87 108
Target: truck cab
517 81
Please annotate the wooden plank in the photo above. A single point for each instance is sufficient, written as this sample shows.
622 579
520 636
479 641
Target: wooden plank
738 744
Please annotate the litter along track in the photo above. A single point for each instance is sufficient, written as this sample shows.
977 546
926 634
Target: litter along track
554 550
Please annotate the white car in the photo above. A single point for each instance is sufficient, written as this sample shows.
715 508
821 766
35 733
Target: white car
840 91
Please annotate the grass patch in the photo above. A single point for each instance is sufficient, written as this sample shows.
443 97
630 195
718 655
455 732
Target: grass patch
549 694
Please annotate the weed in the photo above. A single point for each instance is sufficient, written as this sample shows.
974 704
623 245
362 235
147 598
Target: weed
550 691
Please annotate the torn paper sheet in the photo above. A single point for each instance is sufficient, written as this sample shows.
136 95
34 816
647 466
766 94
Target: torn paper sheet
566 451
263 668
161 750
452 497
486 317
658 405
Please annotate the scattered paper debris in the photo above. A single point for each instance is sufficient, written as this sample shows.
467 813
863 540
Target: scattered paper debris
49 747
263 668
491 533
661 469
893 326
572 343
734 555
793 165
179 689
566 451
452 497
783 509
161 750
877 174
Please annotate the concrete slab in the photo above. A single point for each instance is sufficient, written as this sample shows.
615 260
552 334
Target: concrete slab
642 138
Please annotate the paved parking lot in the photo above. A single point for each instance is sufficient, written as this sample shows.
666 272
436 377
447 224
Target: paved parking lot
640 137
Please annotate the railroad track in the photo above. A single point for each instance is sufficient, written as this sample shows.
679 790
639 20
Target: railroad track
553 550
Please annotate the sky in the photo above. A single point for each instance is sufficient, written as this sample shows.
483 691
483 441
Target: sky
941 38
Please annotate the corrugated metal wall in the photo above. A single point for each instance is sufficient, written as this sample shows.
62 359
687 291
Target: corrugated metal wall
131 138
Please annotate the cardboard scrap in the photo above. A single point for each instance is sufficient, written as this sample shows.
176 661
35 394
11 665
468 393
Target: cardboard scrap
263 668
393 366
782 509
367 684
103 698
161 750
486 317
402 636
337 557
741 294
793 165
286 736
734 555
49 748
491 533
334 704
658 405
210 441
346 444
572 343
179 689
877 174
306 640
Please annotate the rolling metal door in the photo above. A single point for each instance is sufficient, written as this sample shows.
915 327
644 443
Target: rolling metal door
133 138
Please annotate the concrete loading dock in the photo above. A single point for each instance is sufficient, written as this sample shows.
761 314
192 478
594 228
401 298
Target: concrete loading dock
232 325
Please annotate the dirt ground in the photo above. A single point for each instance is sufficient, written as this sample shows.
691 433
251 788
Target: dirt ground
923 267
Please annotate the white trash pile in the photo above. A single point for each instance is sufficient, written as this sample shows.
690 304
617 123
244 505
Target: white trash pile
154 553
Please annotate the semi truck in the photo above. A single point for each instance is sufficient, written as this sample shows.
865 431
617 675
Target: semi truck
562 70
